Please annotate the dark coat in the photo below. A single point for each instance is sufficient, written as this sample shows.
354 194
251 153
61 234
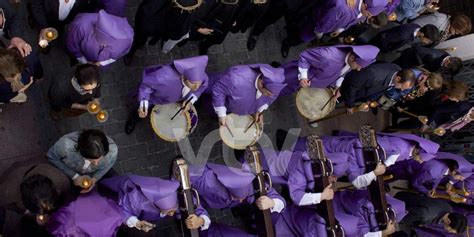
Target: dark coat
428 58
422 210
396 37
248 14
45 12
358 86
12 178
13 26
62 94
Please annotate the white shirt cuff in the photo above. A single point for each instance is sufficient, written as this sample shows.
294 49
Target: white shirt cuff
207 222
82 60
310 199
75 176
262 108
374 234
132 221
339 30
364 180
451 182
303 73
319 35
107 62
391 160
193 98
278 207
144 104
339 81
221 111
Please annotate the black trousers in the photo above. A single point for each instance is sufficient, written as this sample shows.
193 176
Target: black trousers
275 11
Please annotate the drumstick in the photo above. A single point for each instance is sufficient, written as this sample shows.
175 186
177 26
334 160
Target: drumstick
228 129
182 107
330 99
253 122
363 106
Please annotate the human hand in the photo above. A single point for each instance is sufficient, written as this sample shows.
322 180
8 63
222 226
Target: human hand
144 226
205 31
259 118
328 193
24 48
380 169
390 229
222 121
305 83
193 222
142 111
264 203
22 90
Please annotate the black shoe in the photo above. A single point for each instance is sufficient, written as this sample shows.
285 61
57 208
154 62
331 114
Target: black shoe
285 49
280 138
128 59
130 126
251 42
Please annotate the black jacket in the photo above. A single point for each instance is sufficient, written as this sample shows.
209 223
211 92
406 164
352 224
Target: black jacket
396 37
358 86
13 26
45 12
422 210
428 58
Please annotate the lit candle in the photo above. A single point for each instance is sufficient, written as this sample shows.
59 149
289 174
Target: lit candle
41 217
93 106
49 35
373 104
85 184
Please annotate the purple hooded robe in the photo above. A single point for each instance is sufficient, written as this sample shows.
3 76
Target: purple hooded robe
235 91
144 197
336 15
358 204
114 7
99 37
162 84
393 144
220 186
89 215
326 64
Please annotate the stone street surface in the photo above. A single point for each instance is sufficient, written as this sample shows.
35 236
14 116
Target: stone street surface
27 131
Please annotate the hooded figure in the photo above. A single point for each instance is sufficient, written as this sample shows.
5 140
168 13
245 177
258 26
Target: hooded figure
237 91
99 38
327 66
357 203
89 215
398 147
223 187
147 198
337 16
164 84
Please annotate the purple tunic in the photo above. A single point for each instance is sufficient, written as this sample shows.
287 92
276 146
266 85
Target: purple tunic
235 88
357 203
296 221
221 187
98 37
162 84
145 197
468 186
469 214
392 143
325 64
89 215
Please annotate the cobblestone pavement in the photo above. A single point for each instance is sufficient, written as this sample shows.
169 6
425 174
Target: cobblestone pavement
27 131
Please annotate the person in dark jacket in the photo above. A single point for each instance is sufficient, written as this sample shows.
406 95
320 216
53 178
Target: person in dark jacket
11 28
371 82
407 34
432 59
165 20
423 211
70 93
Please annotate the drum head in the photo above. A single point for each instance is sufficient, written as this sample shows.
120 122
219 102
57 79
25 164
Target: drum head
237 125
310 102
171 130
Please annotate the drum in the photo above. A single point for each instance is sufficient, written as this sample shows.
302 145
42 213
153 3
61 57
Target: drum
240 139
385 103
177 129
310 102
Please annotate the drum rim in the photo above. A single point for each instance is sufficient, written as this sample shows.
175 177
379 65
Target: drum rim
165 137
298 105
259 128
